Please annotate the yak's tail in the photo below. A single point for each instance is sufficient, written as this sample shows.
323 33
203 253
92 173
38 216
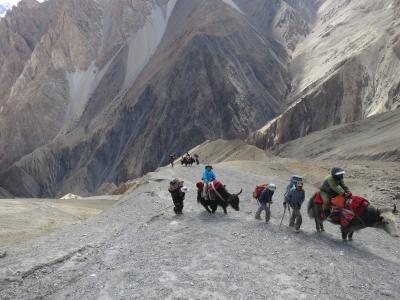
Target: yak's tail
310 206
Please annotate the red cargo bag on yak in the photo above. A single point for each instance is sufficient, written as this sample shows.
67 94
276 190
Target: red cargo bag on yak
200 185
214 185
358 205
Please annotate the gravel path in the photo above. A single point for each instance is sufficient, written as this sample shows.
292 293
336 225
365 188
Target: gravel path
140 249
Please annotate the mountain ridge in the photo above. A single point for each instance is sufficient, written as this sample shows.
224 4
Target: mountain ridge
212 69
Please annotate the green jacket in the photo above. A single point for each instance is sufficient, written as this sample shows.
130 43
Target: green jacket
334 187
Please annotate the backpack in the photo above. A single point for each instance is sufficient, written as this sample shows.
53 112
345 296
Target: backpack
258 190
292 184
175 185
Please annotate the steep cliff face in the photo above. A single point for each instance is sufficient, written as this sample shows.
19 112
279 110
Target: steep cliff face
67 65
155 80
344 71
105 90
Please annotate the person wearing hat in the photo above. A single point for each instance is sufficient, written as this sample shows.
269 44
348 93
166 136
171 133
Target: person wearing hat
208 177
334 185
265 201
295 199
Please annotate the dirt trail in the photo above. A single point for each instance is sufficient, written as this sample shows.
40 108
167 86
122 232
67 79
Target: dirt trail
140 249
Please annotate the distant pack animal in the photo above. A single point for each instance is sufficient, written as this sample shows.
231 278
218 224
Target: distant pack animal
369 217
187 161
222 198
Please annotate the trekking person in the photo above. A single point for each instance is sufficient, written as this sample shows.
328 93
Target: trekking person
196 158
295 199
265 201
292 185
334 185
177 191
171 159
208 177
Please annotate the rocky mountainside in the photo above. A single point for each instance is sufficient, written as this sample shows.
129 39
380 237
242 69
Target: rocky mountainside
376 138
345 70
110 88
103 91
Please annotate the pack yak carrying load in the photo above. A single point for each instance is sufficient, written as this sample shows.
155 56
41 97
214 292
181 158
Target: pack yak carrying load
335 203
217 196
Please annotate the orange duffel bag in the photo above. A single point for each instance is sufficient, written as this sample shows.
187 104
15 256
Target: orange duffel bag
338 201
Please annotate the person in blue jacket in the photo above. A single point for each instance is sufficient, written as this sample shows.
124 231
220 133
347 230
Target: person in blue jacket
208 177
295 199
265 201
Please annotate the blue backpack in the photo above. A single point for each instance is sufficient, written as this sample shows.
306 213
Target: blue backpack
292 185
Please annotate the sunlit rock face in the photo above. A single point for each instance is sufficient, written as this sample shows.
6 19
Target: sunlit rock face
103 91
106 90
344 70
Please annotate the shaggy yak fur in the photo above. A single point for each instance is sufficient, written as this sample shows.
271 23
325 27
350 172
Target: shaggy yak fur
187 161
212 205
372 217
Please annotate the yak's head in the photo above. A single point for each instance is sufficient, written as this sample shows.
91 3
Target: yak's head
234 200
387 221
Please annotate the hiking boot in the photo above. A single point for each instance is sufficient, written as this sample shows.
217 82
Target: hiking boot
257 217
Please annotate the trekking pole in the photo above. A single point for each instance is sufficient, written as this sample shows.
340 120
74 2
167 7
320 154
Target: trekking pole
284 212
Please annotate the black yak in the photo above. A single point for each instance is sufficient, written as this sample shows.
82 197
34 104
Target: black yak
222 198
370 217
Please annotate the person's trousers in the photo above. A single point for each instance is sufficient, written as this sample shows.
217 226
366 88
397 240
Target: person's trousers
296 218
262 207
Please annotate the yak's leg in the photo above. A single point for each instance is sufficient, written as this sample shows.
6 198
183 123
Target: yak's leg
224 208
180 208
345 233
206 207
317 224
214 207
351 235
317 210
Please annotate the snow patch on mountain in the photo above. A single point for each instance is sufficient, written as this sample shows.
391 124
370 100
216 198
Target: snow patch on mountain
144 43
82 84
233 5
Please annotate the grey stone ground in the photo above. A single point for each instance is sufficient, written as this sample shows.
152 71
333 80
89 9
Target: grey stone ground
140 249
